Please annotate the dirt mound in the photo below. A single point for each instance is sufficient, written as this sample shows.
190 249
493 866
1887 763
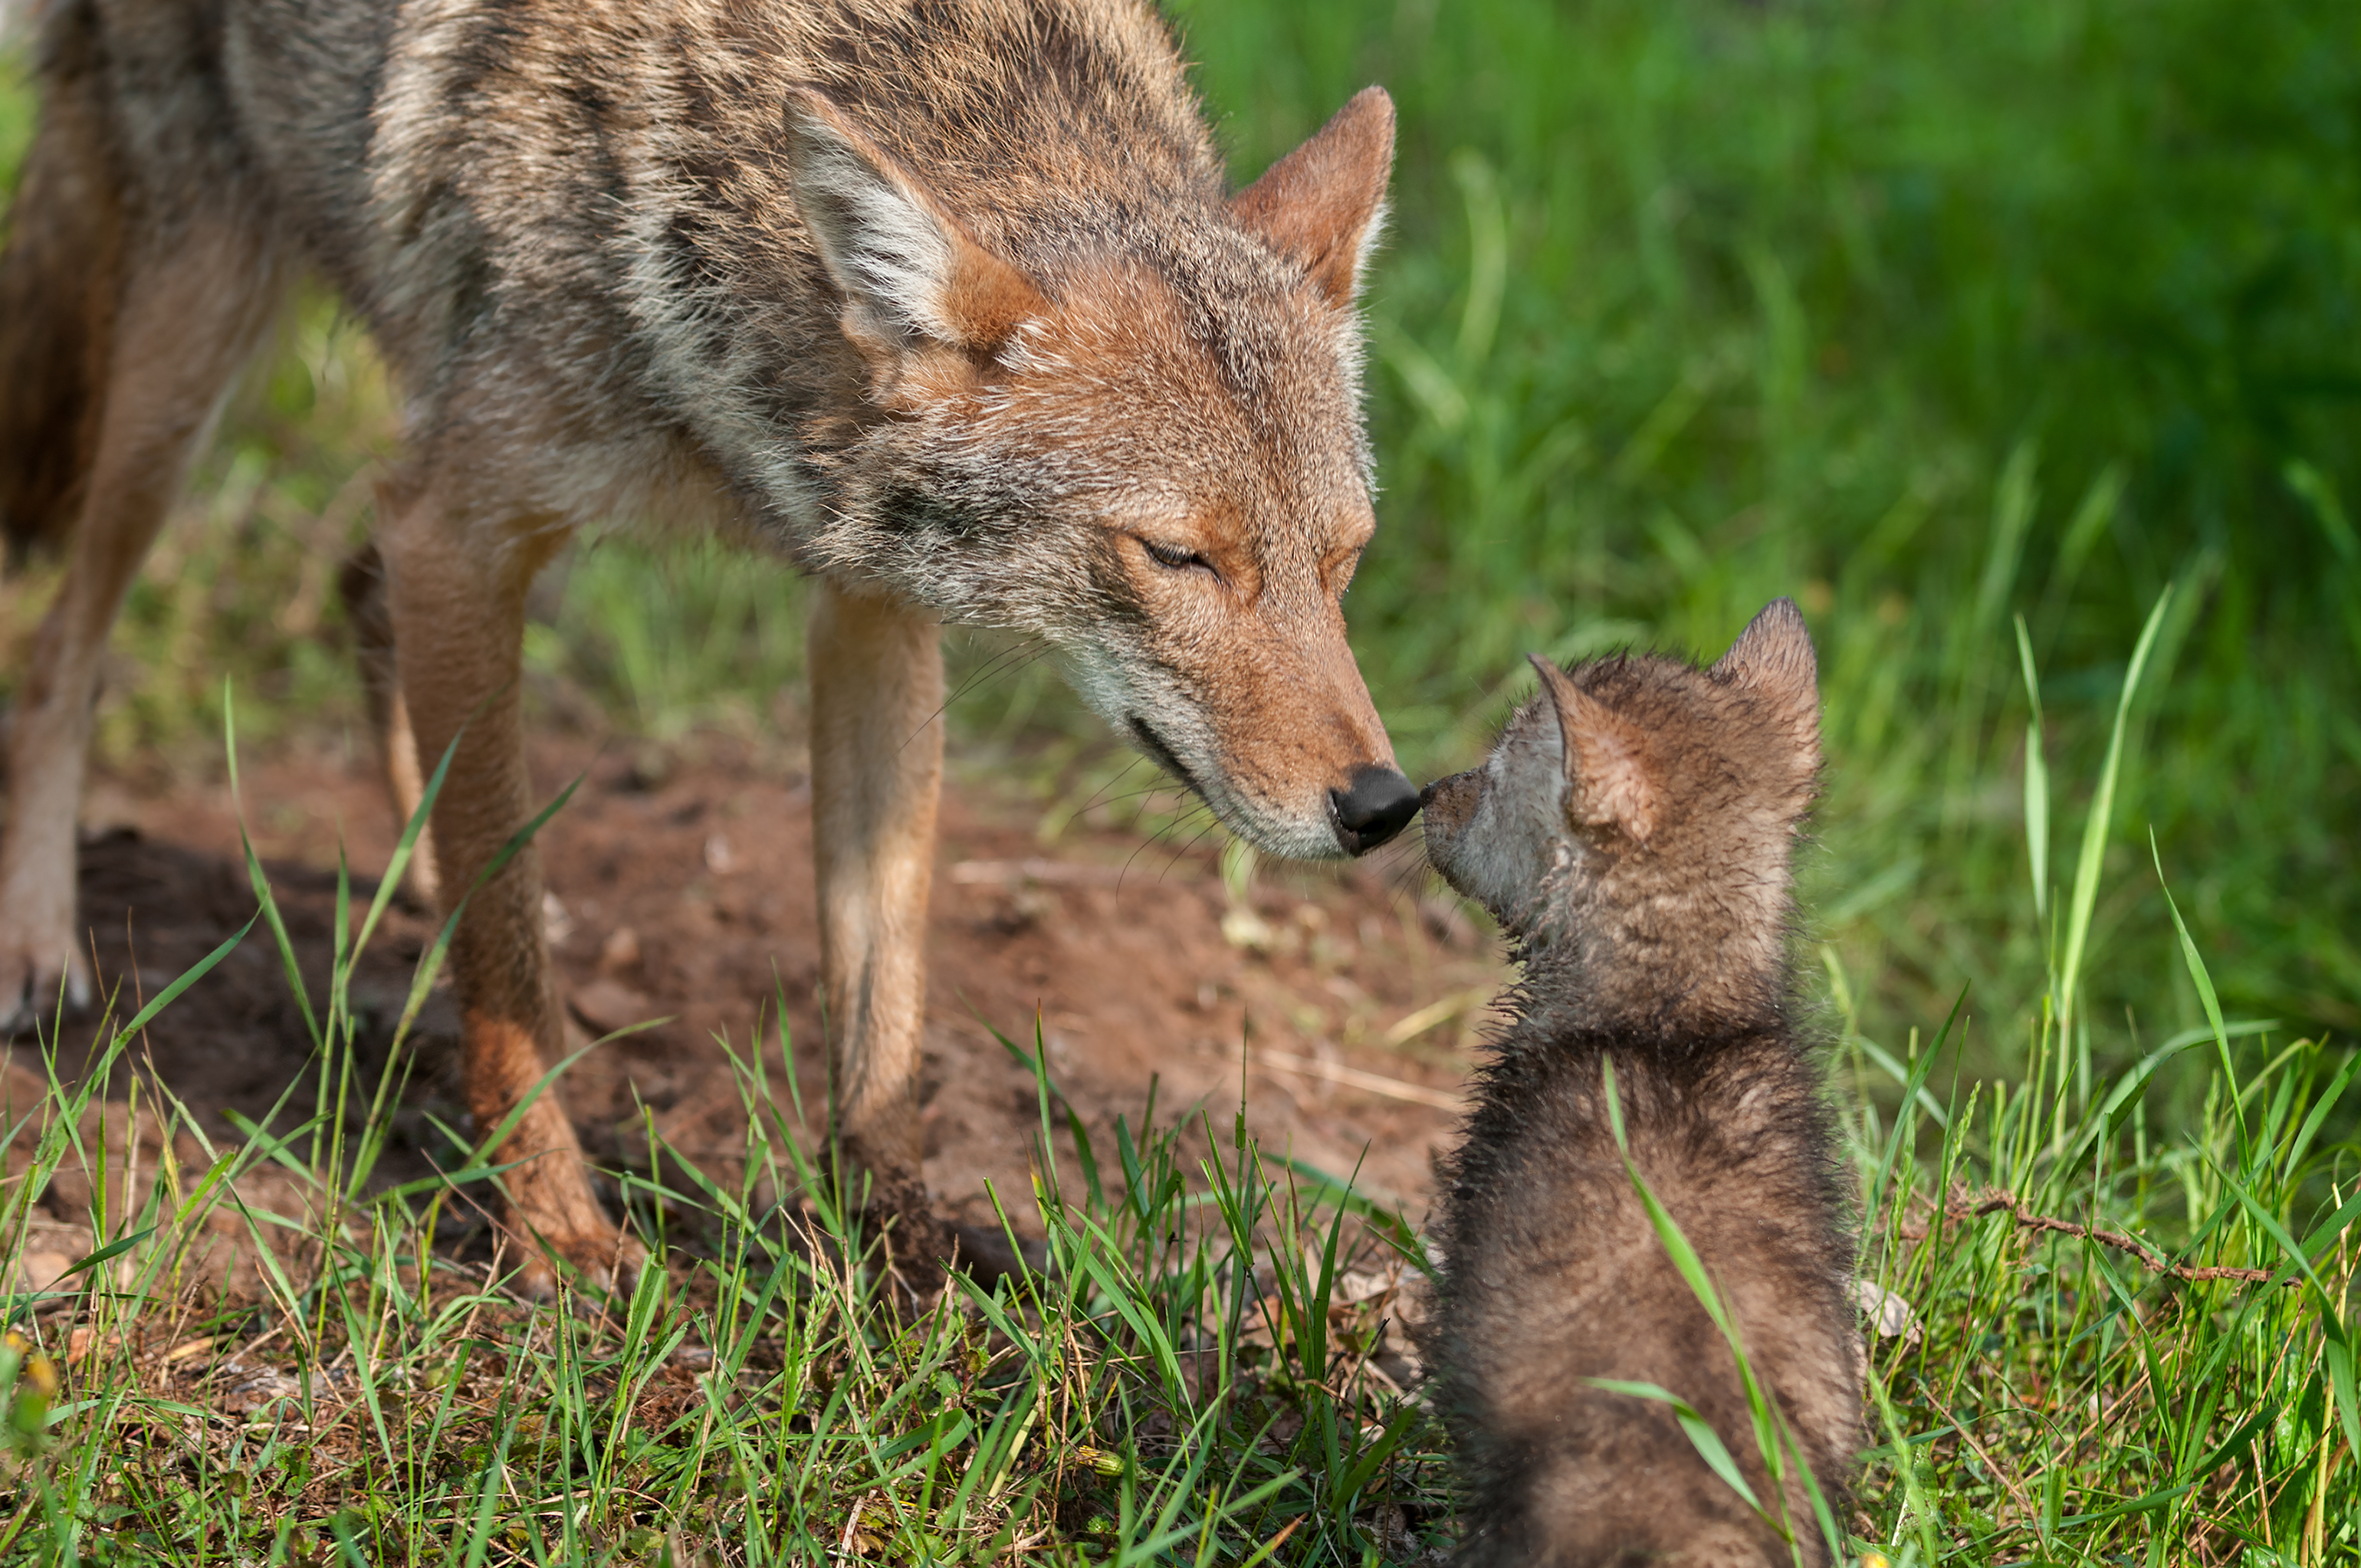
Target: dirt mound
1339 1005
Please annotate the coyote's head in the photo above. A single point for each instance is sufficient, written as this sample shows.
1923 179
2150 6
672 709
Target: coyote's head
1130 427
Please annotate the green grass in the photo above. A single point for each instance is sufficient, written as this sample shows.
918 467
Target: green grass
2091 1339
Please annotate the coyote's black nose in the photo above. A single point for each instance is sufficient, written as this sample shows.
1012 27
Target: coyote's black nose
1379 806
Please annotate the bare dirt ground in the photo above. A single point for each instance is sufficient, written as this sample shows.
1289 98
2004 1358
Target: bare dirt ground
1339 1003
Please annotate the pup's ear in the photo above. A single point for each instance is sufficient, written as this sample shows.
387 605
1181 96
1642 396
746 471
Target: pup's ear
1773 658
1321 205
1609 780
905 266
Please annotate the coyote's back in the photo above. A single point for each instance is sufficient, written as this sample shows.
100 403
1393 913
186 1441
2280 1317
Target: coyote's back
1632 831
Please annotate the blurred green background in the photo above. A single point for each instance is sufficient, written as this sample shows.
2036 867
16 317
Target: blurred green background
1932 315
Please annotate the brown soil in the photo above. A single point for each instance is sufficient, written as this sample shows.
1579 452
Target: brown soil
689 898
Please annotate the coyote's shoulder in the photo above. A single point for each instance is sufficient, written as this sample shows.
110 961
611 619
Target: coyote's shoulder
1631 829
618 198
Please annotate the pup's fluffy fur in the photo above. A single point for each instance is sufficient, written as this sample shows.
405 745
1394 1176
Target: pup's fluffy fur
1631 831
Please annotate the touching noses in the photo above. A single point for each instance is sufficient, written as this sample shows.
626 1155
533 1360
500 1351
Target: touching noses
1378 805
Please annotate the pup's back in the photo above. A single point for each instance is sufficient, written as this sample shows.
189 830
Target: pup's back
1632 831
1553 1276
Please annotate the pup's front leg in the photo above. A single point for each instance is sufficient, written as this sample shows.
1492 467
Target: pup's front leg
457 587
877 764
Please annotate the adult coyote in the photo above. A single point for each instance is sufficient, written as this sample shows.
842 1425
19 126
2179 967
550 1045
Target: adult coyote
945 301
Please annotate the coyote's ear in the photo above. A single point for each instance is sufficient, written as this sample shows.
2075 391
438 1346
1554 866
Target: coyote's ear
1321 205
905 266
1609 782
1773 658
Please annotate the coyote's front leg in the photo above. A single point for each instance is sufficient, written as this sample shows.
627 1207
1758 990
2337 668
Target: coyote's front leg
877 764
182 323
456 588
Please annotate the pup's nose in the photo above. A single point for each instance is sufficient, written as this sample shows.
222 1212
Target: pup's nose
1379 806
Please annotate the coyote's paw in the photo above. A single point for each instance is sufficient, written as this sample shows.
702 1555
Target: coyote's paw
38 960
600 1264
555 1217
921 1249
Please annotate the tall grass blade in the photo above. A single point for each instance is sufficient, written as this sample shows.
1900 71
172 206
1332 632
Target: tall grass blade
2204 980
1700 1432
2037 781
2094 832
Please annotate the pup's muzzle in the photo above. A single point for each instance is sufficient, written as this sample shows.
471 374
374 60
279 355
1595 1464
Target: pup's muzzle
1380 805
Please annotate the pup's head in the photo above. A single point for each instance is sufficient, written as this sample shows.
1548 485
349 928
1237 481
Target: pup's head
1634 821
1133 429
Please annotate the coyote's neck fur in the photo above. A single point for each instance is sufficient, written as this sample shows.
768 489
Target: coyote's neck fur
1632 831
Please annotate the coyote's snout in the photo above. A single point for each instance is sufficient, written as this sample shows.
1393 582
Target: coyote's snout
945 300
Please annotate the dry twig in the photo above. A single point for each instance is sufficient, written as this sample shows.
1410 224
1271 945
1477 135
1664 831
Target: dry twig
1964 1205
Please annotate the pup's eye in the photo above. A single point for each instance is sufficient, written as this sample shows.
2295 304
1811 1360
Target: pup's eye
1174 556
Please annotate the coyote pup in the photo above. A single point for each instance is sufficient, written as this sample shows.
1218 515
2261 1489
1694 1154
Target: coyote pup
1631 832
946 300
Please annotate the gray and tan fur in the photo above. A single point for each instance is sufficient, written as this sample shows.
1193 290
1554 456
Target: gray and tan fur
1631 831
947 302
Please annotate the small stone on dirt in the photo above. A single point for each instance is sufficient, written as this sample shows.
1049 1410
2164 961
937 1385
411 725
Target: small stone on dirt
607 1006
1244 928
39 1270
620 951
